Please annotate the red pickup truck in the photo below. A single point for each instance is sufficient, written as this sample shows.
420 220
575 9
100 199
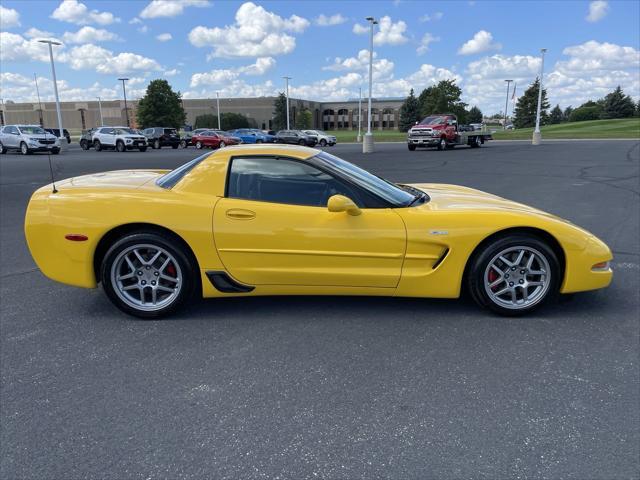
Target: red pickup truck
443 131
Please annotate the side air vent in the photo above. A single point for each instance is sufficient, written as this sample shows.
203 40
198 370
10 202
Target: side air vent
225 284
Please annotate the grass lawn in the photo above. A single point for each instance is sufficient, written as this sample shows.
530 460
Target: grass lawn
378 135
618 128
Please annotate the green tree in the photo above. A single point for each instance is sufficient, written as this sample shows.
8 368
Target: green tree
280 115
231 121
556 115
409 112
566 115
443 98
160 106
207 120
617 105
525 113
304 119
475 115
582 113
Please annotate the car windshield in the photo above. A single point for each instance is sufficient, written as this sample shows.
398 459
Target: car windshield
434 120
168 180
32 130
129 131
370 182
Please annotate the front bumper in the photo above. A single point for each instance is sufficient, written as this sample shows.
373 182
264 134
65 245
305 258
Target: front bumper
579 275
43 148
424 141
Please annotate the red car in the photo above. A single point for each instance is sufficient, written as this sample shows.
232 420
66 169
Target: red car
212 139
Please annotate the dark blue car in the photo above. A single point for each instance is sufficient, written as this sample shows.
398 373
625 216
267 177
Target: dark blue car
253 135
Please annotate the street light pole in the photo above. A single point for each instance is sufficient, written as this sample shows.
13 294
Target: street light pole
286 80
506 105
55 87
359 139
124 92
367 146
218 109
537 136
100 108
35 79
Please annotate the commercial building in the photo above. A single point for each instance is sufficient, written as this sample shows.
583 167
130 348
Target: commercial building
259 111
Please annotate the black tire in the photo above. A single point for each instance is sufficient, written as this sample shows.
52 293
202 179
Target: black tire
187 266
142 149
183 143
3 150
156 144
24 149
199 145
120 147
323 142
222 145
411 147
301 142
258 141
55 151
84 145
478 265
97 145
442 144
175 145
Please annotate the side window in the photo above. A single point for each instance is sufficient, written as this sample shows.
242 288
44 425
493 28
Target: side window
283 181
107 131
14 130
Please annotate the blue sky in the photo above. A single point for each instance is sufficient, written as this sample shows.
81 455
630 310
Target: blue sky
245 48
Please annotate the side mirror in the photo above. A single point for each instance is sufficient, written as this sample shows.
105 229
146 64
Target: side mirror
340 203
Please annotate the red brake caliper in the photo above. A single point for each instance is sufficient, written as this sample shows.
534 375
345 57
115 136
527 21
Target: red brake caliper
171 270
492 277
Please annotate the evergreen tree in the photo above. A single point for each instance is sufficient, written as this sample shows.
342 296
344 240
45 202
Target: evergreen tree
280 115
409 112
475 115
304 119
566 116
617 105
525 113
160 106
556 115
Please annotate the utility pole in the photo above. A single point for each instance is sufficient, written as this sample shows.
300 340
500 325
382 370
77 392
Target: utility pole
359 139
506 105
35 79
286 80
218 109
124 92
100 108
537 136
55 87
367 146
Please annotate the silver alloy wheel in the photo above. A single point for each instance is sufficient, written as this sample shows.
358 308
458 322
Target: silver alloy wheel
23 148
146 277
222 145
443 144
478 141
517 277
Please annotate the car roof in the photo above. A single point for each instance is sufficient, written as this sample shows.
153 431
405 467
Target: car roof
295 151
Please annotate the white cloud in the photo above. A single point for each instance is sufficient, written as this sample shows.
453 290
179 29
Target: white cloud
234 89
255 33
135 21
382 68
89 34
143 29
170 8
91 56
431 17
387 32
597 11
592 56
9 18
262 66
222 76
35 33
482 41
15 48
327 21
171 73
427 39
164 37
73 11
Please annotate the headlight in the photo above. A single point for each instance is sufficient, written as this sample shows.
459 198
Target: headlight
128 140
33 139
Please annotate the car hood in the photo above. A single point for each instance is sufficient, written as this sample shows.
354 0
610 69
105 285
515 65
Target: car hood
119 179
40 136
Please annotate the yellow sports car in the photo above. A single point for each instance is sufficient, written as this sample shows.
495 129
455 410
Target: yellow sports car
278 220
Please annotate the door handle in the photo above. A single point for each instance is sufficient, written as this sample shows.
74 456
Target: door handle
240 214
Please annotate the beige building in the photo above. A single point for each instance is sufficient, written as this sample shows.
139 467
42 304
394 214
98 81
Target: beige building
325 115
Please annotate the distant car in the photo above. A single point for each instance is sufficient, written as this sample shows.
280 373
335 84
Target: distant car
28 139
56 132
476 126
252 135
324 139
120 139
231 135
185 139
296 137
159 137
211 139
86 138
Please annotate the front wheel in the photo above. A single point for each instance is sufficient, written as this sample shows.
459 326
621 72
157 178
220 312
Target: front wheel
24 149
84 145
97 145
156 144
442 145
222 145
199 145
514 275
148 275
323 143
120 146
55 151
183 143
3 149
411 147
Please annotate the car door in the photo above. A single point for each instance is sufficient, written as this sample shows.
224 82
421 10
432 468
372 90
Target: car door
10 137
273 227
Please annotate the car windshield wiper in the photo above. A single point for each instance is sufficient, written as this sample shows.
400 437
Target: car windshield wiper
419 195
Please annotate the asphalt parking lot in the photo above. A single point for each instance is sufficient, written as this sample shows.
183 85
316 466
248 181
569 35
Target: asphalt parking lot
332 387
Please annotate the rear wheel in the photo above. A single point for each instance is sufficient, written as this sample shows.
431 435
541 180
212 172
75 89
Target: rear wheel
120 146
183 143
156 144
301 142
222 145
2 148
148 275
258 141
97 145
84 145
514 275
323 143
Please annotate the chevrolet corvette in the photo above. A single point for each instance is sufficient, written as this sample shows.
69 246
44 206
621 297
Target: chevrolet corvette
291 220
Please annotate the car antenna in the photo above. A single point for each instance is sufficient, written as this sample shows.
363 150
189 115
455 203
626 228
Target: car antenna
53 180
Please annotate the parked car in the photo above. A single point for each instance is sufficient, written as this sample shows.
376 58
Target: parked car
231 135
28 139
252 135
324 139
56 132
185 139
118 138
86 138
159 137
211 139
296 137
